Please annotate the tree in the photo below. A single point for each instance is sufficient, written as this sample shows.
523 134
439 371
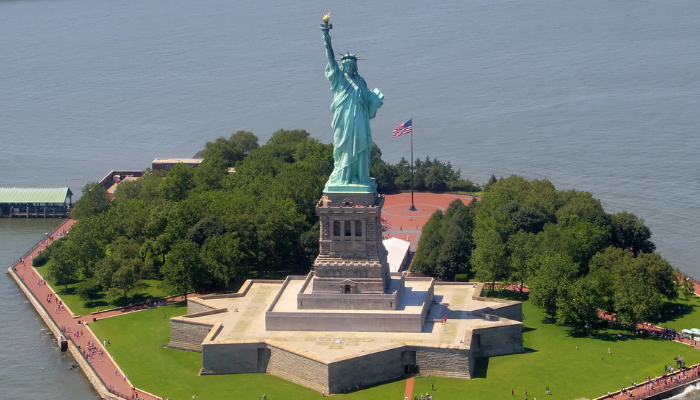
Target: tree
492 180
122 271
85 246
659 274
62 269
245 141
177 184
639 284
92 202
524 218
288 137
577 304
489 258
88 289
231 150
581 206
577 239
127 278
554 274
629 232
427 254
522 248
384 174
205 228
209 175
182 272
454 254
635 301
225 258
688 287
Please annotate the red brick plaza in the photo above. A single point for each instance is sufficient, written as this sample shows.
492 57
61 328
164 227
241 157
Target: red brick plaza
407 225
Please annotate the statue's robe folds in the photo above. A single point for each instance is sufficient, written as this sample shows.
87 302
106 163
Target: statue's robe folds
353 106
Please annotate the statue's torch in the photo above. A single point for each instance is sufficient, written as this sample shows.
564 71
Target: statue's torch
325 26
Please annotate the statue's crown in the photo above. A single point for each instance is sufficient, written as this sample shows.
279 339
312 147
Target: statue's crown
348 56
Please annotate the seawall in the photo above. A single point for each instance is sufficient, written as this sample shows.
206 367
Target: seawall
95 380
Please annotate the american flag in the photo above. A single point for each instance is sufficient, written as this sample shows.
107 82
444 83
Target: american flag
406 127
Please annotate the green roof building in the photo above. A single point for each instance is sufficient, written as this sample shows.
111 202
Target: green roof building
35 202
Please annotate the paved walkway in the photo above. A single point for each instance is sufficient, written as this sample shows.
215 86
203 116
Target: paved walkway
409 387
108 371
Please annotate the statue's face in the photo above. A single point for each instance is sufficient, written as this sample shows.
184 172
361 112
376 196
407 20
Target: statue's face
350 67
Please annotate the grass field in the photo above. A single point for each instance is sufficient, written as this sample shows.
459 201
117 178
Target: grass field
103 302
552 360
687 317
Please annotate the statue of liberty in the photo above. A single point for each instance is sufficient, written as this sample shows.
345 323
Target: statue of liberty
353 106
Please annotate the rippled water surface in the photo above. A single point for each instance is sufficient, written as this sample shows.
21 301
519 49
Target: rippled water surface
596 95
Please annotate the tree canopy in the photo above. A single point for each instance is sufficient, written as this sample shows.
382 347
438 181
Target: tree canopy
574 257
203 228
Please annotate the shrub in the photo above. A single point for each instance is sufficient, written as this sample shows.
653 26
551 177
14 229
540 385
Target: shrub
40 260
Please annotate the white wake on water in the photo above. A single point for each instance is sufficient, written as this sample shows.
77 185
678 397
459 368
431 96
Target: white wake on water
690 392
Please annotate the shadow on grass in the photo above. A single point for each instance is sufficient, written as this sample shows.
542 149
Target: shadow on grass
673 311
481 365
179 304
600 335
93 304
133 299
528 329
606 335
63 290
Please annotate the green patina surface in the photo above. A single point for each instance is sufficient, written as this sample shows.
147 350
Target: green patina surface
34 195
352 107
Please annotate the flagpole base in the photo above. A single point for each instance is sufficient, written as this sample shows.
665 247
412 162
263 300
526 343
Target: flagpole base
412 208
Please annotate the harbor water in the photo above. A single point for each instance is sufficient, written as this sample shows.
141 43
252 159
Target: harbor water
593 95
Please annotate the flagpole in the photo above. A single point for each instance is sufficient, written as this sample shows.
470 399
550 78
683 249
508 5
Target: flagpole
413 207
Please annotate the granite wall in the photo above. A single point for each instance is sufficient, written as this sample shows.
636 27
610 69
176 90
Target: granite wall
499 340
290 365
343 322
187 335
444 361
369 369
239 358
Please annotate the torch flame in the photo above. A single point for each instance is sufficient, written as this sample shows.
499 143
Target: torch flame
327 17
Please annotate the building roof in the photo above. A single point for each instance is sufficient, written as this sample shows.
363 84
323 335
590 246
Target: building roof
177 160
34 195
397 250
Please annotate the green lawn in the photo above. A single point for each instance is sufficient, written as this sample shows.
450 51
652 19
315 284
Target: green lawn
552 360
687 317
103 302
136 345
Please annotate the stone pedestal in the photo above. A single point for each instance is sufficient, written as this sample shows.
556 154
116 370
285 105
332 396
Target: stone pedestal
352 258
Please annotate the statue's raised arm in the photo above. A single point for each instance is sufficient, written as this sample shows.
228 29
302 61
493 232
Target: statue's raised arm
326 27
